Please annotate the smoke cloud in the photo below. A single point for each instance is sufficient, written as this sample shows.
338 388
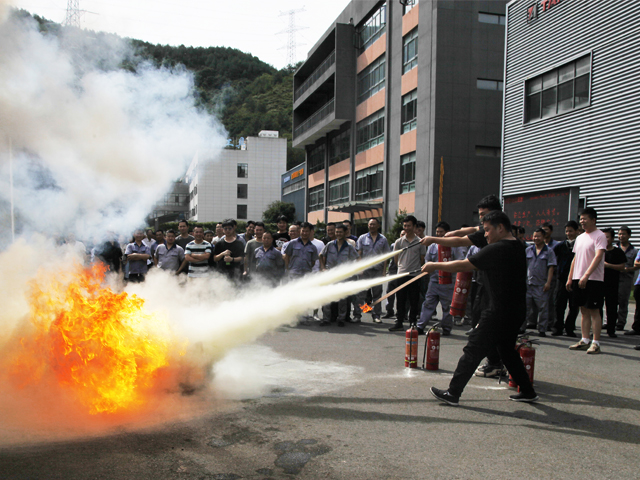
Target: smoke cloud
93 145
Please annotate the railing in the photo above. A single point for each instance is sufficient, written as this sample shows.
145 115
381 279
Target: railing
314 119
315 75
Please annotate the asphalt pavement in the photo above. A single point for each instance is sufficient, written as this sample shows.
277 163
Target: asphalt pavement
311 402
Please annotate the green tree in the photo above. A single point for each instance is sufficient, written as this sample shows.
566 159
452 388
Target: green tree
277 208
394 232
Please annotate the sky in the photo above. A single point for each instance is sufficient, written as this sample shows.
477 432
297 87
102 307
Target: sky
251 26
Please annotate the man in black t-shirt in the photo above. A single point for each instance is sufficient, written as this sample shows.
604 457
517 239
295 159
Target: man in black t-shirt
282 237
229 252
504 265
614 263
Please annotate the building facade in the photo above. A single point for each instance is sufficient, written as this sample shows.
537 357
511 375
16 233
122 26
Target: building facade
173 206
240 182
399 108
293 190
570 116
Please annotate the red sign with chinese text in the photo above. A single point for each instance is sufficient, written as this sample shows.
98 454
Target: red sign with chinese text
531 210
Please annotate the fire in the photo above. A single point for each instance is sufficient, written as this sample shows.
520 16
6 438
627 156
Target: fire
365 308
97 343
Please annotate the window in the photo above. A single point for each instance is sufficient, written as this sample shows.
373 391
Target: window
242 212
410 50
339 190
372 28
243 170
409 111
408 6
558 91
315 159
371 79
370 131
494 18
339 147
408 172
316 198
293 187
195 190
485 84
369 183
483 151
243 190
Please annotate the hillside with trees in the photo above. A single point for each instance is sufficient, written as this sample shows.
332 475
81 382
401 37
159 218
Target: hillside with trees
247 94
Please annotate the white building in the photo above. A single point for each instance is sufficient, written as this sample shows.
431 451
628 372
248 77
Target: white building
238 183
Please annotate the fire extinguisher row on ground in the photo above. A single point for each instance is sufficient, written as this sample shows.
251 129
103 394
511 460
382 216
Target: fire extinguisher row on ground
431 356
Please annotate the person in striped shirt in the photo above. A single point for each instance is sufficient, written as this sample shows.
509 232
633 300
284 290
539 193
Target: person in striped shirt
197 253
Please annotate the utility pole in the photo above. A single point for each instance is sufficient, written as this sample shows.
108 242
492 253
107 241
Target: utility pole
291 34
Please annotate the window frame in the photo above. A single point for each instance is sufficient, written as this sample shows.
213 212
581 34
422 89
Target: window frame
409 6
406 125
239 215
243 167
408 185
554 88
316 198
341 184
409 64
501 18
342 143
369 182
376 30
312 161
368 128
376 71
246 191
498 84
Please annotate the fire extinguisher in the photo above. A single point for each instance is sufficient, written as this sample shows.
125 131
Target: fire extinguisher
431 356
411 348
528 354
444 255
460 294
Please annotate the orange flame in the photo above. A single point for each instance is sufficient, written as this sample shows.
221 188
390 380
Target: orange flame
97 343
365 308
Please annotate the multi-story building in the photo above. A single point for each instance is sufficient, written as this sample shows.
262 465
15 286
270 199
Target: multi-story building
570 119
239 182
173 206
293 190
399 108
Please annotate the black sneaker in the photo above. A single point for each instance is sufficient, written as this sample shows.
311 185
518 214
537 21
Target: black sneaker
556 333
524 397
397 328
637 347
571 334
489 371
340 323
444 396
542 334
420 330
389 315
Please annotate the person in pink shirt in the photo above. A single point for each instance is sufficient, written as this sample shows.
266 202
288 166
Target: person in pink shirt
586 280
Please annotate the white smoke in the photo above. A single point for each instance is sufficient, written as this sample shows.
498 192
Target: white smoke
94 146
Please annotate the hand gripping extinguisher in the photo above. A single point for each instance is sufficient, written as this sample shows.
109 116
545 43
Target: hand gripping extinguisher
460 294
528 354
411 348
444 255
431 356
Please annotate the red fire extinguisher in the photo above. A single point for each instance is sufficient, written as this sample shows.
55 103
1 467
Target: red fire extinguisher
431 356
460 294
411 348
528 354
444 255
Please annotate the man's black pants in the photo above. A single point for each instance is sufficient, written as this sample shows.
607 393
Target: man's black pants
412 294
485 339
562 298
611 306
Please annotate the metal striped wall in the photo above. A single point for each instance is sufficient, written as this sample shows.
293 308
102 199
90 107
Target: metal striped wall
597 147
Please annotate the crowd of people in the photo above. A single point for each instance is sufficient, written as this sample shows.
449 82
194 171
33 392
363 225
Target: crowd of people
562 280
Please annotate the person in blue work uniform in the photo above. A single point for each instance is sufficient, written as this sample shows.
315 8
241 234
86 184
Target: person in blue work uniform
300 255
334 253
372 244
541 264
437 292
268 261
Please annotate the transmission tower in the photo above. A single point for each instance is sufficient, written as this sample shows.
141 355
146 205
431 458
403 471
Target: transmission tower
291 34
73 13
